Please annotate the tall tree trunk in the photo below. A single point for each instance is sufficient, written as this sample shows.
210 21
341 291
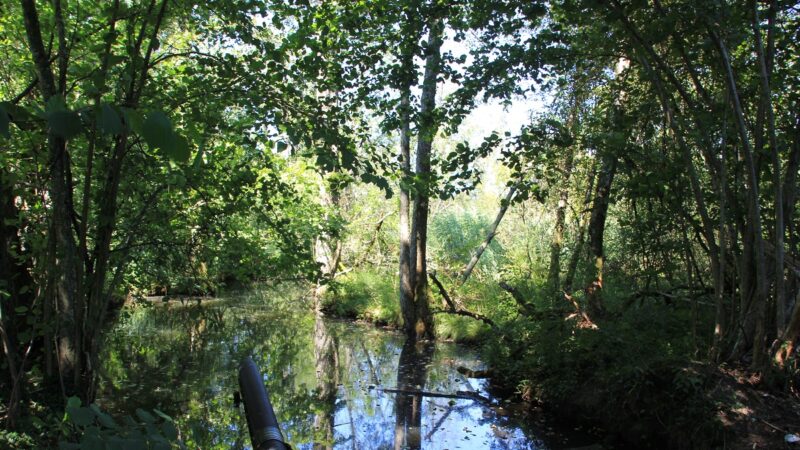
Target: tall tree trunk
753 211
428 125
406 261
63 274
504 204
766 105
597 225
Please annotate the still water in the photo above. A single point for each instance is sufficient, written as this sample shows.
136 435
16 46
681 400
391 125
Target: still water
334 384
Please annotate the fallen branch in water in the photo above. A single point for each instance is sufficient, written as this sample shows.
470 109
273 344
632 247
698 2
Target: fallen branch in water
457 308
466 395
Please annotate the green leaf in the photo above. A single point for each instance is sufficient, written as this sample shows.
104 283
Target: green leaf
113 60
65 124
109 121
55 103
133 119
91 441
104 419
169 430
135 444
21 309
145 416
157 131
73 402
4 121
162 414
80 416
181 151
281 146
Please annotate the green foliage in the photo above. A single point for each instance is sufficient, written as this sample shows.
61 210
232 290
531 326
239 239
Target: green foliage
454 236
95 430
367 295
633 374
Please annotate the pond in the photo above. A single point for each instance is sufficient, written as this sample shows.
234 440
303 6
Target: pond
334 384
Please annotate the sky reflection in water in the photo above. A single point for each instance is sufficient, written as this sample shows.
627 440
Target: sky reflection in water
327 380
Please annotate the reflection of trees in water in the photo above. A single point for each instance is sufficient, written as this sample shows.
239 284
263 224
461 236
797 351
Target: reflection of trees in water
326 364
411 372
183 361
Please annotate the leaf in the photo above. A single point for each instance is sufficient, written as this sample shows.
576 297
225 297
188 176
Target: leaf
145 416
162 414
157 131
109 121
80 416
91 441
73 402
115 59
181 151
135 444
65 124
133 119
55 103
4 121
169 430
104 419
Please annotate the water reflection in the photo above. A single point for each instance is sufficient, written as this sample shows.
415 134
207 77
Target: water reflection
335 385
412 371
326 365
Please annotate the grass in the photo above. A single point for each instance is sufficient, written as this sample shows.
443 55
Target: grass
372 295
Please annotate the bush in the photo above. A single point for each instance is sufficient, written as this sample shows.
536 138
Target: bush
369 294
633 375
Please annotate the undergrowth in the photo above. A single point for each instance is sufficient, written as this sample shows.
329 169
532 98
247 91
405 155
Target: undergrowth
372 295
635 375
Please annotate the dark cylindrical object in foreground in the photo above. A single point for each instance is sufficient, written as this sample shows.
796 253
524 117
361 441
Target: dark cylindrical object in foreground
261 420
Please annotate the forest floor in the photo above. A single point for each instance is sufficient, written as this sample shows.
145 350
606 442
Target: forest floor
754 417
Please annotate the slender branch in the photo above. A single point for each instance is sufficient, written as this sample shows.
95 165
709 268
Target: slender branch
455 307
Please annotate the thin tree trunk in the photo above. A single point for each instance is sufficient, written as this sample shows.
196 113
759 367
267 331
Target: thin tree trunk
423 327
406 282
578 250
766 105
597 224
720 325
504 204
557 240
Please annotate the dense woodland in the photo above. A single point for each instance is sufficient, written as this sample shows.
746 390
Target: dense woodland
630 249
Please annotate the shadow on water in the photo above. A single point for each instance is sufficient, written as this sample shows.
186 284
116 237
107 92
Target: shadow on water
334 385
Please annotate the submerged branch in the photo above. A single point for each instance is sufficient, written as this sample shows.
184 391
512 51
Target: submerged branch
467 395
